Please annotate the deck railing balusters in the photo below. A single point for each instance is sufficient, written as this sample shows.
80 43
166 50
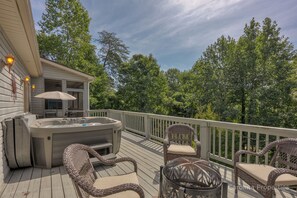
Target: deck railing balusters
154 126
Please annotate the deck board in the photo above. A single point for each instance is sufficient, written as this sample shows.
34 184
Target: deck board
22 189
46 184
34 186
55 182
57 187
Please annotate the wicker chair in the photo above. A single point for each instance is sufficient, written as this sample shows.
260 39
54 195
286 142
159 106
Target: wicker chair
282 170
77 163
178 141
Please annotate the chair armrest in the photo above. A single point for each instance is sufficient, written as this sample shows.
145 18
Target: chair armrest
166 141
166 144
117 189
278 172
241 152
112 162
126 159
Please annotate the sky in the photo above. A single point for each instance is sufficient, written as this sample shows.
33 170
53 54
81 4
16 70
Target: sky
176 32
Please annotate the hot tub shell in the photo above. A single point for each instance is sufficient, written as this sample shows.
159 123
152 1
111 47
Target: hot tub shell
51 136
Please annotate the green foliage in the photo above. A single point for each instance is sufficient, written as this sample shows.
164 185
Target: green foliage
143 87
64 37
250 80
113 52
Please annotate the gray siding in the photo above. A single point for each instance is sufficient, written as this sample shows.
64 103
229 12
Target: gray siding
37 104
51 72
9 105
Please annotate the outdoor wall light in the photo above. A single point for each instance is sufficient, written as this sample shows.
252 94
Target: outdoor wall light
33 87
27 79
9 60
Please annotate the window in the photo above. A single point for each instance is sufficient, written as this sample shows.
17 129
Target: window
53 85
75 85
78 103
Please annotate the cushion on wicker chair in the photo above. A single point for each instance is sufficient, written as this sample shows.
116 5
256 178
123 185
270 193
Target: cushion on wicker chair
112 181
261 172
181 149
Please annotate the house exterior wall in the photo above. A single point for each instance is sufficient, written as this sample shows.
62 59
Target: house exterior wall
51 72
37 105
10 105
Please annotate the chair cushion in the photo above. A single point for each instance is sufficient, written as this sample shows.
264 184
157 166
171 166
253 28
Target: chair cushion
261 172
181 149
108 182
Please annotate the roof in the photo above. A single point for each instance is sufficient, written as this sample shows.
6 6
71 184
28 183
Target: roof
66 68
17 23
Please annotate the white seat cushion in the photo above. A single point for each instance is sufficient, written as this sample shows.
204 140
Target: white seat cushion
181 149
112 181
260 172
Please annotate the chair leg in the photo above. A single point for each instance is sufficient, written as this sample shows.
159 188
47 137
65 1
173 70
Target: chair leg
236 180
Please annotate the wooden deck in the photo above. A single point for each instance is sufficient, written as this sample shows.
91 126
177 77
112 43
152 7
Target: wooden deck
35 182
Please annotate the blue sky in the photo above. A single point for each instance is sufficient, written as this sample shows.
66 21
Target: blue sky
176 32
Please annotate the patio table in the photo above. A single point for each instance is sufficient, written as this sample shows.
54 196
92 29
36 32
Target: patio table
191 177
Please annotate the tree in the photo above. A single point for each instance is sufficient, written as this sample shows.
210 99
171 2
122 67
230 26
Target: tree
252 80
210 84
143 86
64 37
113 53
276 55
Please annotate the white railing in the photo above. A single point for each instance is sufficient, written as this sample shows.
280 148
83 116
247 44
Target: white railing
219 140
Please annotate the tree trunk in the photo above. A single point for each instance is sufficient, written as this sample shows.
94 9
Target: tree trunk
243 110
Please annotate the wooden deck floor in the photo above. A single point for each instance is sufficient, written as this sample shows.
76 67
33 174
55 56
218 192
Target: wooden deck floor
35 182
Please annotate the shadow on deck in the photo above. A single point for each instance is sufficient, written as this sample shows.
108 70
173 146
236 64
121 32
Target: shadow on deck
36 182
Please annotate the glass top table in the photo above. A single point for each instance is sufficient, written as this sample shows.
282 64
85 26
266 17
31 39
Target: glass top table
190 177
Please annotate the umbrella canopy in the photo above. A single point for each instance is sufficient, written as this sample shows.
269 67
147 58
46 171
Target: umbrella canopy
55 95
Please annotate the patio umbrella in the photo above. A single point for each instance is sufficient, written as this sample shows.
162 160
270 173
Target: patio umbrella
55 95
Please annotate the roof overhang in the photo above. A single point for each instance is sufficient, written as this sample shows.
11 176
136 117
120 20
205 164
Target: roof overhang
17 23
65 68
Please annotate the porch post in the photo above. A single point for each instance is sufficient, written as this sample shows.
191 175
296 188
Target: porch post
64 102
205 140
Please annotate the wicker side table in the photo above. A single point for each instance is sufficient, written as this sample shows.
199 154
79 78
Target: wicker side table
192 178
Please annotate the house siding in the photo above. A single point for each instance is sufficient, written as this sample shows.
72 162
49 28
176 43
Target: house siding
9 105
51 72
37 104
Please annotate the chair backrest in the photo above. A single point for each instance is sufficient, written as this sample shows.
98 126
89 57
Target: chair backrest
180 134
77 163
285 155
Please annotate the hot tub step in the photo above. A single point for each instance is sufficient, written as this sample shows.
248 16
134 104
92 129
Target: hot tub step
95 161
97 147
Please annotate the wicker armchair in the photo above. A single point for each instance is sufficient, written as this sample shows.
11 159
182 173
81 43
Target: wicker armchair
282 170
178 141
77 163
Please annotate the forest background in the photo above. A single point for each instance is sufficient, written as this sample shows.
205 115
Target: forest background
250 80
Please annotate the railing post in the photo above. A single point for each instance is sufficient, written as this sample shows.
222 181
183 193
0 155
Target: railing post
147 126
123 119
205 140
108 113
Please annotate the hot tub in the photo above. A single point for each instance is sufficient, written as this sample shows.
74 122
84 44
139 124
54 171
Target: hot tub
52 135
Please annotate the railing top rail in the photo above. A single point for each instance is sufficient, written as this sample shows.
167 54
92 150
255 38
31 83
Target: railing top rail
218 124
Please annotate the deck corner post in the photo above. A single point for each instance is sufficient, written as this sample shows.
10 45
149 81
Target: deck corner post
205 140
108 113
147 126
123 119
